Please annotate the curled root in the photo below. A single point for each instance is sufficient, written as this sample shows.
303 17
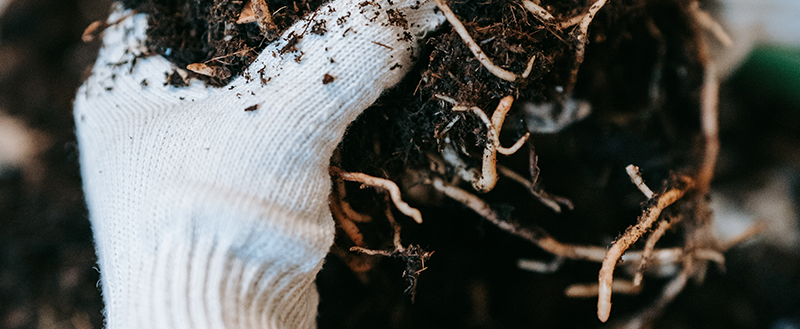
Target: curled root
384 184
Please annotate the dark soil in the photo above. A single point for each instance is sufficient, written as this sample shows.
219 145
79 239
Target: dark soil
205 31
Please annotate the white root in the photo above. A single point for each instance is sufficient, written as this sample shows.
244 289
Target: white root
510 174
538 11
474 47
588 290
707 22
583 39
636 178
631 235
662 228
389 186
488 176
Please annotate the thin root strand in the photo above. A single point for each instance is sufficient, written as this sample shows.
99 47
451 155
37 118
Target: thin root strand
631 235
583 39
488 176
662 228
385 184
636 178
707 22
540 13
474 47
589 290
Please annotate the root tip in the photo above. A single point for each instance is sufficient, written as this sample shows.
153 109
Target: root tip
602 315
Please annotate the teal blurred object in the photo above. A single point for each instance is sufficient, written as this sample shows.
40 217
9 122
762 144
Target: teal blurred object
772 72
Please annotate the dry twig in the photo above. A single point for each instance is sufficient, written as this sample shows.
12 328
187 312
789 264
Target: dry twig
631 235
551 201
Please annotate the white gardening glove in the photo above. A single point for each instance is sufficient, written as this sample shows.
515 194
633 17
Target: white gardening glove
207 213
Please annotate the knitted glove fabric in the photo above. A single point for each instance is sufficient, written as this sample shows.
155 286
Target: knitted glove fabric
209 205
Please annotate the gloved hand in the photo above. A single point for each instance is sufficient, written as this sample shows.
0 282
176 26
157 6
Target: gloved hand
209 205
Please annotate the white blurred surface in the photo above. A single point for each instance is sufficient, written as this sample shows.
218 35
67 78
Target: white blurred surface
19 146
753 22
767 199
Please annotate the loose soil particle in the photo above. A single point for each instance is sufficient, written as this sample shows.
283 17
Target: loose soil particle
327 78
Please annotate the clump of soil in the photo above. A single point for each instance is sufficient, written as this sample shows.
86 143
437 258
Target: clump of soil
205 31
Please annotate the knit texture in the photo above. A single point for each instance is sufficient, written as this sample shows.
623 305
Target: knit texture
209 205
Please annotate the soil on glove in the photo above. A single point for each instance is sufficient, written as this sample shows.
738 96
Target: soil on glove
205 31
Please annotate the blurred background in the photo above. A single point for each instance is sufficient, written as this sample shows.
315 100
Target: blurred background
48 277
47 260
